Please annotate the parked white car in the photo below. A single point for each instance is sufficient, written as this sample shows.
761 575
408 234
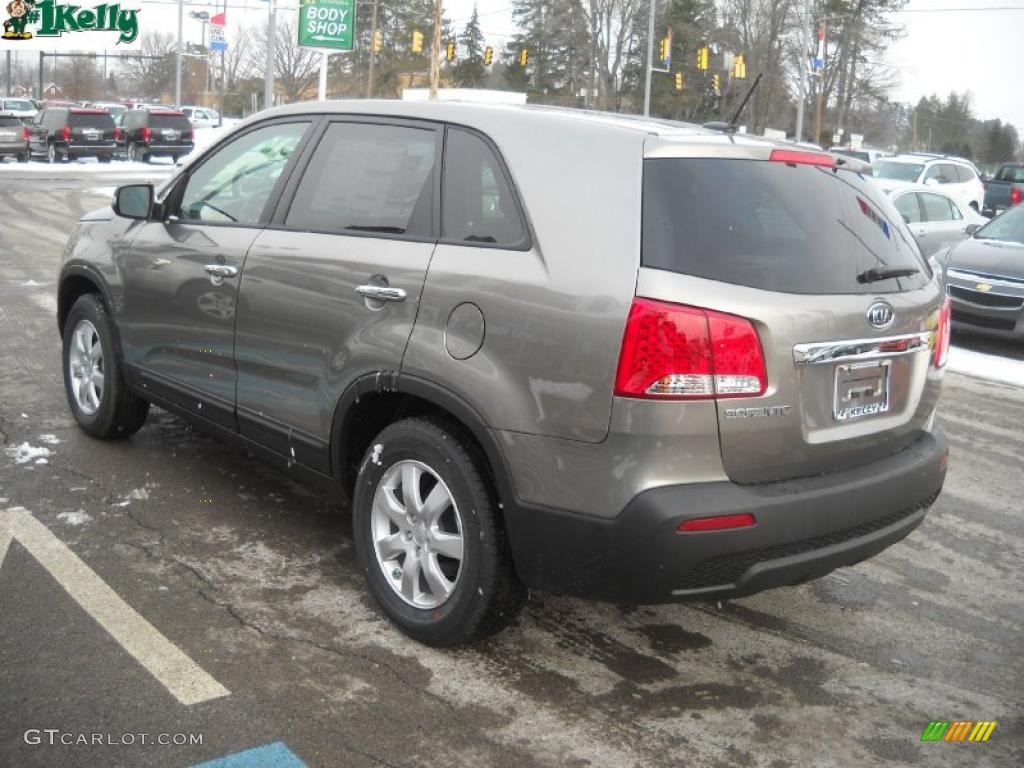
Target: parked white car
202 117
937 220
23 109
868 154
957 177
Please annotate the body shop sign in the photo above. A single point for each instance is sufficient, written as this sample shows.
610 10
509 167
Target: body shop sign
326 24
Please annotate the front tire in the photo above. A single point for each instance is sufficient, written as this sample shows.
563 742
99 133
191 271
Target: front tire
97 394
429 536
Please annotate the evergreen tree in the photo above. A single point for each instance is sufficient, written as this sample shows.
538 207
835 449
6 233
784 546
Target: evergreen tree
470 71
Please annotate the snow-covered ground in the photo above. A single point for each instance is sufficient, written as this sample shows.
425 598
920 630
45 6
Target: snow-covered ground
158 167
984 365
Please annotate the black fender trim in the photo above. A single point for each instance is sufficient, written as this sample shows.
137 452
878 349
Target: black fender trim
93 276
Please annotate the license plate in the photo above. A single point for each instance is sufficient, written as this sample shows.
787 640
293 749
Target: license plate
862 389
172 135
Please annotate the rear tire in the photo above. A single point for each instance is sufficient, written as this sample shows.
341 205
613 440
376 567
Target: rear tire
109 410
399 532
24 157
104 158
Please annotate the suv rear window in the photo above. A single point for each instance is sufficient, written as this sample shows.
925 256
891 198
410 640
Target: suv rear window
7 121
180 122
794 229
90 120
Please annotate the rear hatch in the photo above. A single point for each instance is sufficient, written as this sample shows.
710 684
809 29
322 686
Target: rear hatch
91 127
12 130
799 251
170 129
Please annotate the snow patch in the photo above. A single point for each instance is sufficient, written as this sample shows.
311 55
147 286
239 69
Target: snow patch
42 461
31 284
139 493
24 453
375 456
49 439
984 366
79 517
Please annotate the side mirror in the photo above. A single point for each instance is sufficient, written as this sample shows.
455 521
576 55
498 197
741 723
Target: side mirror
970 229
906 219
134 201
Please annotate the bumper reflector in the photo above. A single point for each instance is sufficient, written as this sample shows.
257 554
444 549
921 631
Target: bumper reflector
720 523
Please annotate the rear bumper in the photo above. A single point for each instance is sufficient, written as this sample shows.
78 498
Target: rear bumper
804 529
88 150
13 148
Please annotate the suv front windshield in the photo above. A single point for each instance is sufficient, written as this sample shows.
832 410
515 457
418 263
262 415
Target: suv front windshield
890 169
1007 227
21 105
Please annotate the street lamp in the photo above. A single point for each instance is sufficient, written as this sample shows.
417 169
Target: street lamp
203 18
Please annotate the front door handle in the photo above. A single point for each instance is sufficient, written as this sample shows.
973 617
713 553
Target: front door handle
221 270
381 292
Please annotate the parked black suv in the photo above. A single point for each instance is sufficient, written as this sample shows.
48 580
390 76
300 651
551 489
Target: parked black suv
63 133
146 133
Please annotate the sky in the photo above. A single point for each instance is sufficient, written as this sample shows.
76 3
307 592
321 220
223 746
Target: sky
963 50
967 48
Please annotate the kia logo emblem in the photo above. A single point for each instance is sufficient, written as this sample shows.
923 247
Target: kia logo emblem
881 315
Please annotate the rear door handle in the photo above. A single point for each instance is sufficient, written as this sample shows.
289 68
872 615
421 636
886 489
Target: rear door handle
221 270
381 292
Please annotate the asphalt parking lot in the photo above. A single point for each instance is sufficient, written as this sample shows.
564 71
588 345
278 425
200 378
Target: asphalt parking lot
251 578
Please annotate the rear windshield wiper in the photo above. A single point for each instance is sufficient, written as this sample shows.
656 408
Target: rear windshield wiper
875 274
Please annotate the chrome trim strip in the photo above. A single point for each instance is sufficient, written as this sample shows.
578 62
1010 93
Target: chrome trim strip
858 349
976 277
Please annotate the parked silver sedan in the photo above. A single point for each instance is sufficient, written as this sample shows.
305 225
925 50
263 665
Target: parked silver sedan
937 220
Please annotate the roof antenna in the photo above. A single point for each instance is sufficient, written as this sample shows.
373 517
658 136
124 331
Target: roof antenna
731 126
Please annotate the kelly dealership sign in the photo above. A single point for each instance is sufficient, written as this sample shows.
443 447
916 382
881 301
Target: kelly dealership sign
32 25
327 24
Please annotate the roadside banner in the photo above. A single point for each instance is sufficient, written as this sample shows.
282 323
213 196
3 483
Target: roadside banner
218 36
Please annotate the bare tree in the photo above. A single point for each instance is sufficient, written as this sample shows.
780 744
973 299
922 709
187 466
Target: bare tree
238 60
614 30
150 71
295 68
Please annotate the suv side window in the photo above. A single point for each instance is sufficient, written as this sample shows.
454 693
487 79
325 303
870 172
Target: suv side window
478 205
365 177
964 173
233 185
936 207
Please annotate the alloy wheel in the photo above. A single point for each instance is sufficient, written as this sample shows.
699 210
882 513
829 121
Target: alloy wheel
416 530
86 366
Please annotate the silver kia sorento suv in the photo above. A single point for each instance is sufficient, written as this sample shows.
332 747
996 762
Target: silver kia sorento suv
617 358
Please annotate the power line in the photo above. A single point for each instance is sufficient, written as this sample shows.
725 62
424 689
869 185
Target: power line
962 10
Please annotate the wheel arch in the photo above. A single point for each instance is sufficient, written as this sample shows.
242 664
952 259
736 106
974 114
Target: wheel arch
375 400
75 282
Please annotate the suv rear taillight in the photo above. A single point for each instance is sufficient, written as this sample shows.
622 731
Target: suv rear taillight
192 134
672 351
147 134
26 134
65 133
1016 195
942 334
117 133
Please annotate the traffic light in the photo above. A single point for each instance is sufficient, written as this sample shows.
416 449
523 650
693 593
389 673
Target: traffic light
378 41
488 55
450 52
703 57
716 84
524 57
680 81
665 51
417 41
739 67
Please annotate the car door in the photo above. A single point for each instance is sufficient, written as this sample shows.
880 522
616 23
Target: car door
331 288
181 273
943 223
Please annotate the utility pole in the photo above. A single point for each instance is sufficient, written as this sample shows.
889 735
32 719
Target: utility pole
268 75
913 142
435 52
373 53
805 45
822 32
10 88
650 58
177 54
